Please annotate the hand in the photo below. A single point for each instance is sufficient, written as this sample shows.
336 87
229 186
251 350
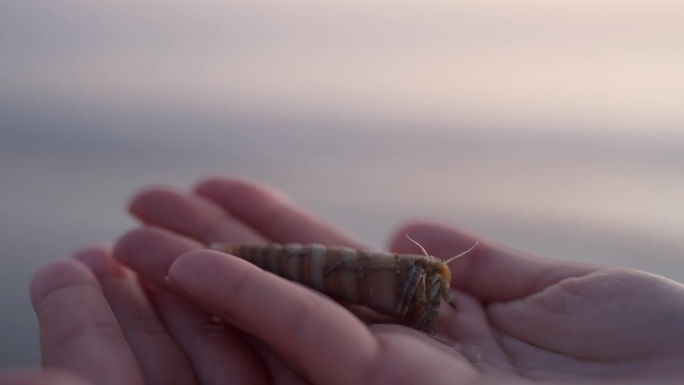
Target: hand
521 318
101 322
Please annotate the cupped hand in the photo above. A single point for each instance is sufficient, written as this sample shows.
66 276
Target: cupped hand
211 318
545 320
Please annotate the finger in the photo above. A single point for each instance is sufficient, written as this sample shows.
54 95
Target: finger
285 374
161 360
150 251
489 272
272 214
309 332
49 377
410 357
190 215
219 353
78 331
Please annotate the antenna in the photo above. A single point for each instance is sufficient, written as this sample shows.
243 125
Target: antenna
419 245
462 254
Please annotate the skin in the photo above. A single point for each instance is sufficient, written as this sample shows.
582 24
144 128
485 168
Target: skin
146 311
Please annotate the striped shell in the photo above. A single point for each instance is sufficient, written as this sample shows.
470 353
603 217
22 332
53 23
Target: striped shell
408 287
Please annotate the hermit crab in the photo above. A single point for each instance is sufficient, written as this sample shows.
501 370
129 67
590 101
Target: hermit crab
407 287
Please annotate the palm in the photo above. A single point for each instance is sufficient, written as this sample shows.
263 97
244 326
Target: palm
608 323
519 317
603 335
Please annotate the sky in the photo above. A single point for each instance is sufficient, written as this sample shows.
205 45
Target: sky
581 65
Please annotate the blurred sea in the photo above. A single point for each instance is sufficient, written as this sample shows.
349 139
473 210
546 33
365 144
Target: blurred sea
516 125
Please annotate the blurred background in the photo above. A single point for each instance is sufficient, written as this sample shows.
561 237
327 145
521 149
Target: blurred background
555 127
